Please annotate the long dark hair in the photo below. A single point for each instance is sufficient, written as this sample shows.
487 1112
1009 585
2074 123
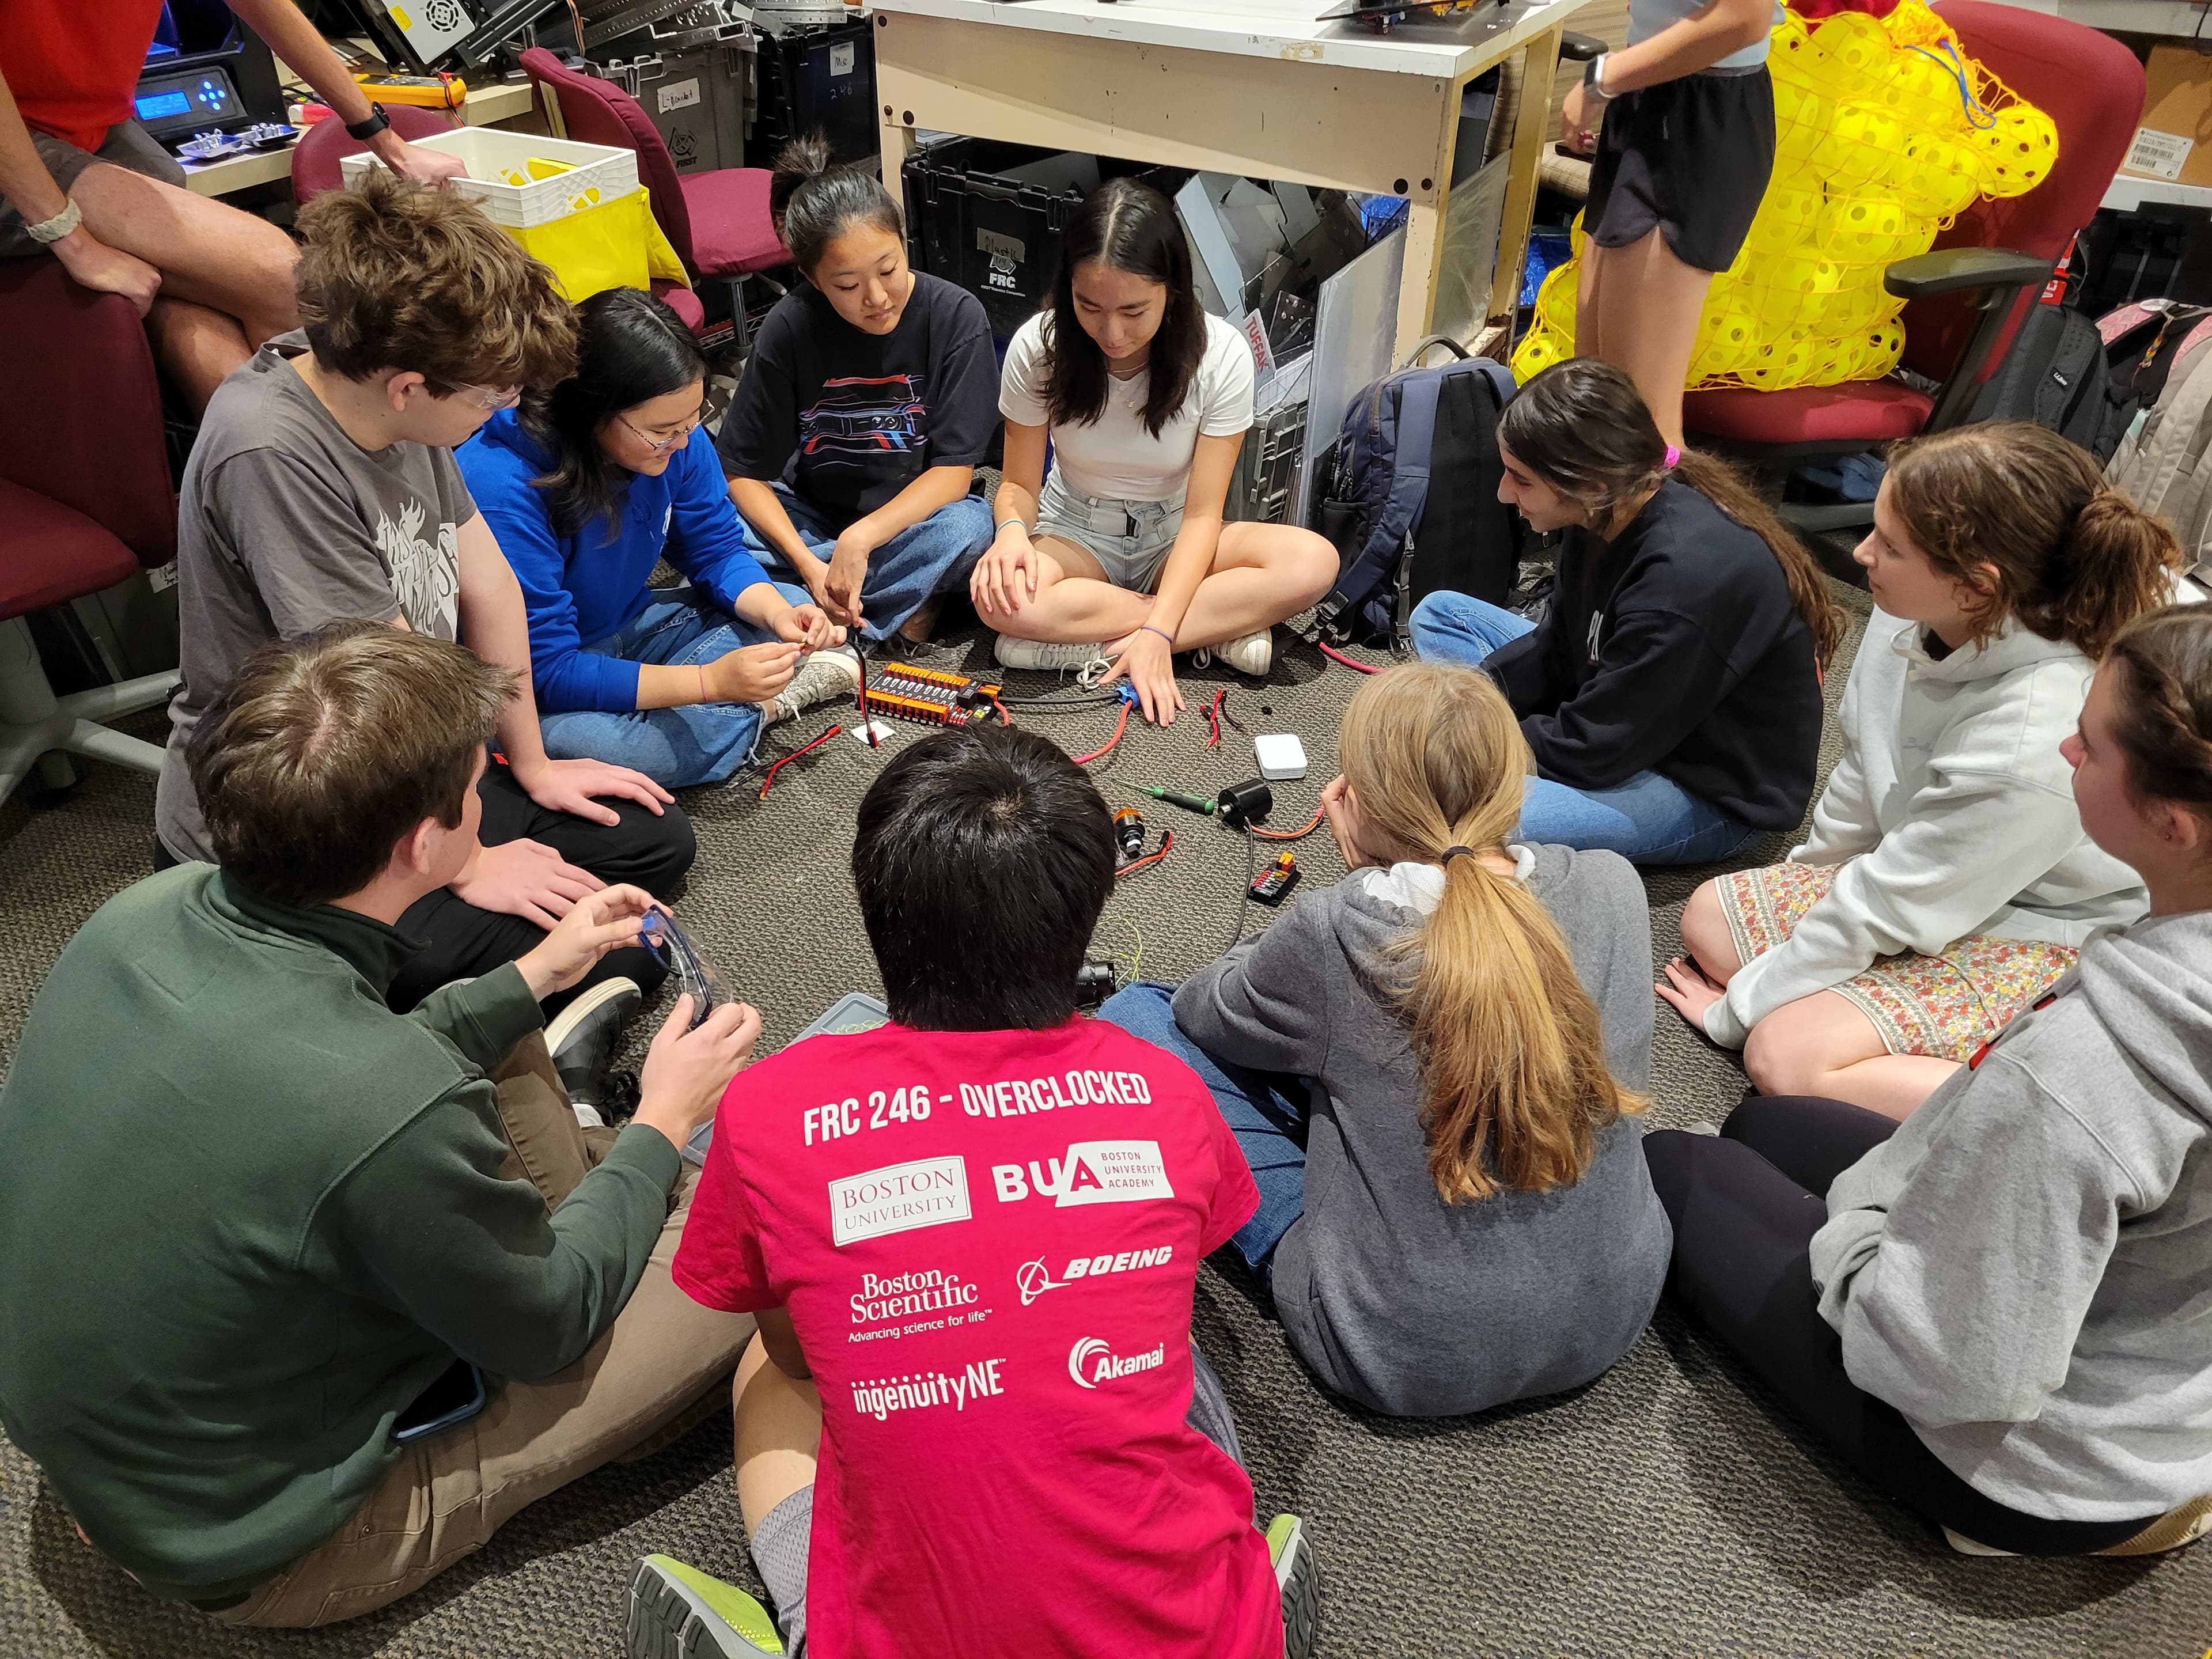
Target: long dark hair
630 349
2024 520
811 199
1583 428
1125 225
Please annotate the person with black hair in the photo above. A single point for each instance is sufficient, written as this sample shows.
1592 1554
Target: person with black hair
979 1350
588 486
1121 555
1671 692
864 409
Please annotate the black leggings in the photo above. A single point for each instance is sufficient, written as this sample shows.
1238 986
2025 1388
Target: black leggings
1745 1207
462 942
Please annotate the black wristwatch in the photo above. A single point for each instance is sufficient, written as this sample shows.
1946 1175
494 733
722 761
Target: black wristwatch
365 131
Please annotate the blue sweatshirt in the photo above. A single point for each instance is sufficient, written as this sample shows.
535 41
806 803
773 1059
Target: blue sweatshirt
581 588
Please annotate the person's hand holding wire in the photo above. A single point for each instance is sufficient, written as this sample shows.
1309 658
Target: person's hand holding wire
808 626
1148 658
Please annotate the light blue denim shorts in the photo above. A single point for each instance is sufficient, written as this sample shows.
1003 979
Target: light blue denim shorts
1129 539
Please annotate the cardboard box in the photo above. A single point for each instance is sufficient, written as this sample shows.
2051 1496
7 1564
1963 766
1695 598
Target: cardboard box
2174 141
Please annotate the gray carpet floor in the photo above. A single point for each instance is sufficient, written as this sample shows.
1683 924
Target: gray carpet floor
1670 1507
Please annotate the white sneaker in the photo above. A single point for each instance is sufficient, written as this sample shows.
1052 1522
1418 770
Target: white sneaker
823 676
1248 654
1051 658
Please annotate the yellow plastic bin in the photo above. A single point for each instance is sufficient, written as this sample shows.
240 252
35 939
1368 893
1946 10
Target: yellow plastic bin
596 248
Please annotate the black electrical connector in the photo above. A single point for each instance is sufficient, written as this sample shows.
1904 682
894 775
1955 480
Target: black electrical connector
1094 983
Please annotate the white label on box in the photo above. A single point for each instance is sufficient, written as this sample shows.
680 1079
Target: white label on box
841 58
2158 154
679 94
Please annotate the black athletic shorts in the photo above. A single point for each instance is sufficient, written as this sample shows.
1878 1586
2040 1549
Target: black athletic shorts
1691 157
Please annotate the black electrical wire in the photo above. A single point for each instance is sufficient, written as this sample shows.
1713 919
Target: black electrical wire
1251 872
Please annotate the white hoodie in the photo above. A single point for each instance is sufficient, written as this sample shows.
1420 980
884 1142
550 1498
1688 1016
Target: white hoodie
1955 812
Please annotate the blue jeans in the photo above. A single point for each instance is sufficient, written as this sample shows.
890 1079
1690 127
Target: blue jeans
696 743
1269 1124
1650 819
932 557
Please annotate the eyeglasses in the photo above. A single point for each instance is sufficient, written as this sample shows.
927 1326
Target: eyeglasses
658 446
492 400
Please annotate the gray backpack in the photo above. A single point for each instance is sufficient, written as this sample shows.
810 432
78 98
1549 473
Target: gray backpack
2161 463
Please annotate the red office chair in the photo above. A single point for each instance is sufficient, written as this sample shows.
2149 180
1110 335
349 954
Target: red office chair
718 221
1969 295
85 500
315 169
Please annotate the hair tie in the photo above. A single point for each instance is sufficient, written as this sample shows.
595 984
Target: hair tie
1674 455
1451 853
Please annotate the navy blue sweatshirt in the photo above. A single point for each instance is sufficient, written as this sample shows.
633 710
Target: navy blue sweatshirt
1674 648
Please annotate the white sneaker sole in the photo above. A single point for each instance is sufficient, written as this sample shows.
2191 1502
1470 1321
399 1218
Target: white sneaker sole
565 1023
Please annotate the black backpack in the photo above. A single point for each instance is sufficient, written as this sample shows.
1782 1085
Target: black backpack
2086 380
1412 504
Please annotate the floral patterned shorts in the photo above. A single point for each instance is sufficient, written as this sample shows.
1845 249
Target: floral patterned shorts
1946 1006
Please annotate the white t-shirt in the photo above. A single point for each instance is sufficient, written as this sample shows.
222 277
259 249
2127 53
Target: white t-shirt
1113 457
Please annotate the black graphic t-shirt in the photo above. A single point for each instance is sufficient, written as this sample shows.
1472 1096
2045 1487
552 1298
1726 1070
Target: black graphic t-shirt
849 419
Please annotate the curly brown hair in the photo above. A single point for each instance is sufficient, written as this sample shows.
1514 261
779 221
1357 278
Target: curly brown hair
394 275
2024 519
2163 662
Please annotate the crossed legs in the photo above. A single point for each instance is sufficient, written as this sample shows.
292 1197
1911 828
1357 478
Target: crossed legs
225 276
1261 574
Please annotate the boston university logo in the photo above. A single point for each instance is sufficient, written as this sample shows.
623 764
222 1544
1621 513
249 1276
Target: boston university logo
1090 1362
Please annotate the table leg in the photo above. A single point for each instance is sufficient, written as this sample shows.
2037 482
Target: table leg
1535 125
898 143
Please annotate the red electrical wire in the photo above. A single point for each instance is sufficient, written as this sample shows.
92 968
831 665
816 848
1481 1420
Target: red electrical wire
793 755
1331 651
1312 824
868 726
1167 840
1004 719
1107 747
1213 719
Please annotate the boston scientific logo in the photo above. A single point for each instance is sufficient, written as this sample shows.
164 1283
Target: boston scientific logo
1090 1362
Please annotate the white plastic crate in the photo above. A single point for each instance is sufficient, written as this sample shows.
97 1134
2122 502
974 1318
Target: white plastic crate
499 178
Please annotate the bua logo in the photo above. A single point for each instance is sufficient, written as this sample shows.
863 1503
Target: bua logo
1090 1362
1092 1172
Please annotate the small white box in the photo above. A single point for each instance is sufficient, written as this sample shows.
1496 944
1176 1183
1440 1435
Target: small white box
1281 755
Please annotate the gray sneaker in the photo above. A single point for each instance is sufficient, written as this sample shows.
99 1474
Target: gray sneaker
1050 658
822 677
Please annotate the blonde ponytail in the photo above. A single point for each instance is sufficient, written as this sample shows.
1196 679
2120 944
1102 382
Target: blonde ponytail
1514 1084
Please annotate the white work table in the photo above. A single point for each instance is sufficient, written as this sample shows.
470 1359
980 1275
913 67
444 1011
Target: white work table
1252 87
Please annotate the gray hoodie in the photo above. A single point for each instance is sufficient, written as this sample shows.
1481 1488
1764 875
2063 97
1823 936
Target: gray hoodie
2025 1269
1395 1298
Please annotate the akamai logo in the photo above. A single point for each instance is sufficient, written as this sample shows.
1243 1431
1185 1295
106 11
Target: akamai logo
1090 1362
1092 1172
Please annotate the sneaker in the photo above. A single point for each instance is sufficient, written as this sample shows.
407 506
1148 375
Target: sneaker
583 1038
1051 658
1298 1579
677 1611
822 677
2175 1527
1248 654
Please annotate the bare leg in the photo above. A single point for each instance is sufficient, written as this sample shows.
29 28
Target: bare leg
1640 306
1823 1045
209 254
1705 934
1261 574
779 1427
197 346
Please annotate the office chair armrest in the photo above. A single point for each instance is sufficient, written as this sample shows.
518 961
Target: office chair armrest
1950 269
1995 276
1580 48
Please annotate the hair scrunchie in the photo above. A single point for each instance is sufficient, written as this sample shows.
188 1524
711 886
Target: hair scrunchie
1451 853
1673 457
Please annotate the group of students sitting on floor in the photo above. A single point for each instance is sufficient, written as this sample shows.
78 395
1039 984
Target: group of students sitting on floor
372 1270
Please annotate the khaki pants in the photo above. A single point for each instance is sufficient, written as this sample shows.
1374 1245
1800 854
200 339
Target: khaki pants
664 1357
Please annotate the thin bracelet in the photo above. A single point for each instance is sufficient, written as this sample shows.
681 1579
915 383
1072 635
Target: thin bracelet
702 668
1003 523
1146 627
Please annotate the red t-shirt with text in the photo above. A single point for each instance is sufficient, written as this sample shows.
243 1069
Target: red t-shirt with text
987 1243
72 65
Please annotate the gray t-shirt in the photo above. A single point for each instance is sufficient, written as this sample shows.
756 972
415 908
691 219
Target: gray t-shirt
284 525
